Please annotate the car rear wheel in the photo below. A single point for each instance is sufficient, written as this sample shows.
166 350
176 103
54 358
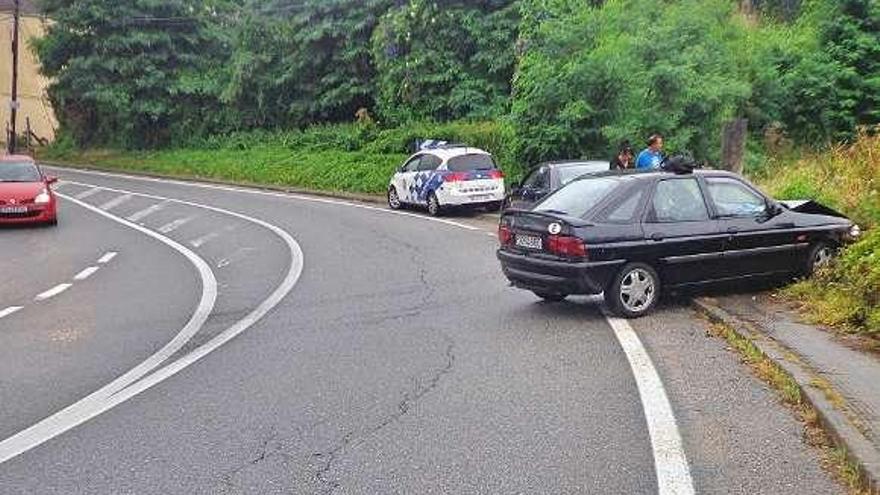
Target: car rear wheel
393 198
550 297
434 208
634 291
820 255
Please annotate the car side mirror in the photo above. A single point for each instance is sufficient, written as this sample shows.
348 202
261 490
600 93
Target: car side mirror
51 179
774 208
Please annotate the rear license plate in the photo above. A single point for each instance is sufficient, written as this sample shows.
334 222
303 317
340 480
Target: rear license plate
13 209
529 242
481 197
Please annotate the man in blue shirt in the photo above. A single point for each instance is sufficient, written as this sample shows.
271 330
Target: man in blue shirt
652 156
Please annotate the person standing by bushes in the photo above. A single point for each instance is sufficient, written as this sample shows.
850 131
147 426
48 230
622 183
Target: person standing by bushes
624 158
652 156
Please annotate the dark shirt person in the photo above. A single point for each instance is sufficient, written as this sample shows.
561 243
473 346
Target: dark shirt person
624 158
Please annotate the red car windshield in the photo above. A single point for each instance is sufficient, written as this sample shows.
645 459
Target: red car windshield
19 172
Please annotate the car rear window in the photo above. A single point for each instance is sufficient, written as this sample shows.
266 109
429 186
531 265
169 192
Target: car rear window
579 197
19 172
572 172
476 161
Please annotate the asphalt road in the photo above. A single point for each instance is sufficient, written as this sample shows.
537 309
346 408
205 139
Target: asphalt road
266 343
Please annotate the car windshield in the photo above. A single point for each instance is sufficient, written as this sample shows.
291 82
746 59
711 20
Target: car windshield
579 197
476 161
569 173
19 172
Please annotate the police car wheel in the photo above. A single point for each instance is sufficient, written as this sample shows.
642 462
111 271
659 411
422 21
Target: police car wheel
393 199
434 208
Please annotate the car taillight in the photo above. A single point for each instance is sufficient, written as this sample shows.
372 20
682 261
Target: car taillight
564 245
455 177
496 174
505 235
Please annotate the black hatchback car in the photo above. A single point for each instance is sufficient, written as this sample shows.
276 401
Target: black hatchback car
629 233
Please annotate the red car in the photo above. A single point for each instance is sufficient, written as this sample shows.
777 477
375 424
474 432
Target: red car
25 193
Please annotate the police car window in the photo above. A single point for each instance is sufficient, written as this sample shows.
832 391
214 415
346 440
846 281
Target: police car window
625 211
733 199
579 197
464 163
412 165
679 200
429 162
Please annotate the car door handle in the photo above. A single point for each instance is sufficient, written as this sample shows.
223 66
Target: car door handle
657 236
785 225
732 230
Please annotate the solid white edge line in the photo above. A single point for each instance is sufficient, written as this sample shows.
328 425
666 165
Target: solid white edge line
295 196
108 256
10 310
54 291
86 273
670 460
85 408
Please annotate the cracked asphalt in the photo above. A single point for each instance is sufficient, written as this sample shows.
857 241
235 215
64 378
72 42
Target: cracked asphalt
401 362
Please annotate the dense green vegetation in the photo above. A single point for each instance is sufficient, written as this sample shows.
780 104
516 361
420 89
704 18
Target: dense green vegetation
572 77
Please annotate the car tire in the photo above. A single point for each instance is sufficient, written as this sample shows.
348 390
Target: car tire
551 297
393 199
820 254
434 208
634 291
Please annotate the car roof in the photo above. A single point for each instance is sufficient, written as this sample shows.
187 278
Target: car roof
643 174
451 152
15 158
573 163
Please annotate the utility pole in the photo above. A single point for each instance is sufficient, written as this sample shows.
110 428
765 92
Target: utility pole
13 105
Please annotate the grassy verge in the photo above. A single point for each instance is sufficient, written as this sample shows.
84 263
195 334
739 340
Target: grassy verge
834 458
345 158
847 295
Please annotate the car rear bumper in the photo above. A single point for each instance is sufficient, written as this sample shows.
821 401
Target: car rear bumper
454 197
557 277
35 214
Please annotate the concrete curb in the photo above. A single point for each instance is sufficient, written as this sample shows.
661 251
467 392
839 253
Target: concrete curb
356 197
859 450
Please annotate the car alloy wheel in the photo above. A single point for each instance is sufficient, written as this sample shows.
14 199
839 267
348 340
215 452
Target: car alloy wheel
820 256
433 205
393 199
634 291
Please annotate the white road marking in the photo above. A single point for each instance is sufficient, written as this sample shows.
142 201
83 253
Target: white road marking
201 241
176 224
670 461
134 382
54 291
88 272
89 192
136 217
113 203
10 310
108 256
295 196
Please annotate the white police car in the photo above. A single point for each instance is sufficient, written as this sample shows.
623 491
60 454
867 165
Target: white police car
442 175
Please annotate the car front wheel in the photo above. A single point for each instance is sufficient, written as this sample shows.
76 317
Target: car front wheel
820 255
634 291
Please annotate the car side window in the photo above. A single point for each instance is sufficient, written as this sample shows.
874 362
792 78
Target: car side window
624 211
679 200
429 162
732 198
413 164
538 179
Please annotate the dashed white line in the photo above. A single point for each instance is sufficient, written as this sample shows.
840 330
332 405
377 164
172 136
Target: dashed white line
10 310
89 192
54 291
88 272
176 224
201 241
108 256
113 203
670 461
136 217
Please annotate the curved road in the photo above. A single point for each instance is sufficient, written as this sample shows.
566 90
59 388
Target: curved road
248 342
